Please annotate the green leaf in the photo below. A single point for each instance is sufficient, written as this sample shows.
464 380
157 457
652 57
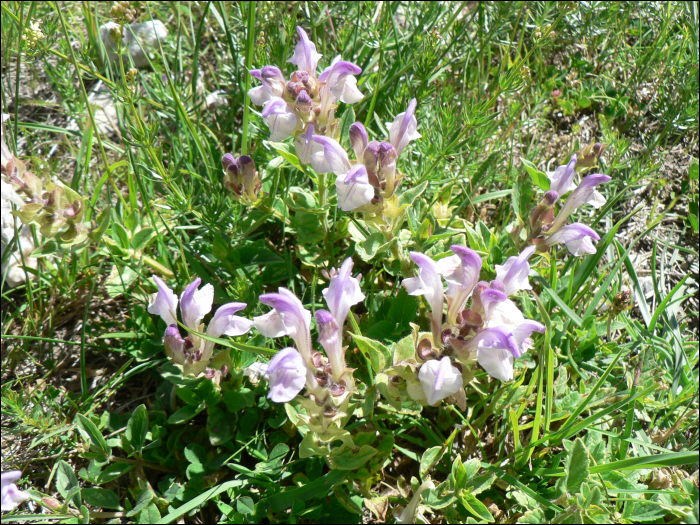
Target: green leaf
184 414
693 170
286 153
374 245
576 467
66 481
93 436
538 177
409 196
346 121
219 426
113 471
101 498
142 502
121 236
378 354
245 505
309 227
316 489
459 474
137 428
404 350
429 459
142 238
346 457
477 508
643 510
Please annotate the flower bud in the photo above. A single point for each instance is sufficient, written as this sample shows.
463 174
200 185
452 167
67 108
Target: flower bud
358 139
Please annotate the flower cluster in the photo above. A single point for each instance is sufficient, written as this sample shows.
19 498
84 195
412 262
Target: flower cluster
546 228
194 353
372 178
491 331
327 379
54 209
307 100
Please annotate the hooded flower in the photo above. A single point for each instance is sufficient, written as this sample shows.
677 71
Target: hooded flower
194 352
287 375
439 379
429 284
514 273
342 293
11 495
461 271
578 197
288 317
562 179
404 128
578 238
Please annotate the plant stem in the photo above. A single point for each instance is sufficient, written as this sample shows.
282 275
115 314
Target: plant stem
248 63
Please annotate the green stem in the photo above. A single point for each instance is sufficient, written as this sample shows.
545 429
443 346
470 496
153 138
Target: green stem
248 63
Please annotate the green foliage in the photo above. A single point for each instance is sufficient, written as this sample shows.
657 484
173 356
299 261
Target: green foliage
599 424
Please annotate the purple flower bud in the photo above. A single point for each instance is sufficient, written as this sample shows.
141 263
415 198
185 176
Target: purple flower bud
370 157
174 344
358 139
476 296
549 198
303 103
227 160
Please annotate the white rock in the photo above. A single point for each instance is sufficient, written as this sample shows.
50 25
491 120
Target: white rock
139 39
16 274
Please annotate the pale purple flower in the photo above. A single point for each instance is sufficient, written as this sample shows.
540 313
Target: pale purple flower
514 273
354 189
305 56
280 119
429 284
11 495
334 157
164 302
562 179
339 79
461 271
288 317
502 313
272 85
578 238
342 293
439 379
194 352
403 129
306 147
287 375
580 196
